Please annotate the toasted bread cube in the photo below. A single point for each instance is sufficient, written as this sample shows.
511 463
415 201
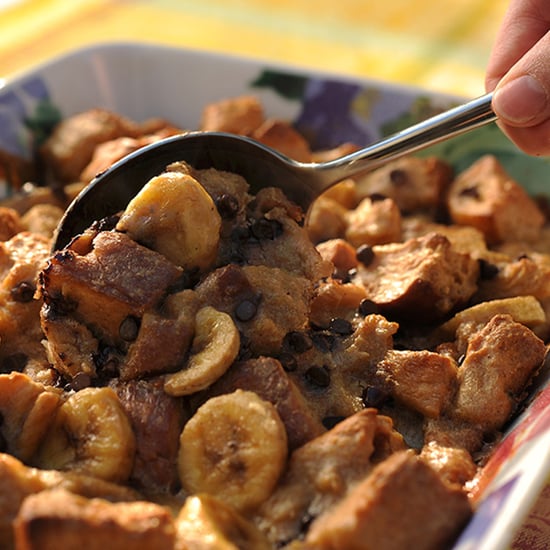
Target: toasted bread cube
340 253
72 144
452 432
373 222
95 286
18 481
238 115
10 223
422 279
500 359
422 380
157 420
403 503
281 136
454 464
21 259
109 152
322 471
335 299
486 197
163 339
59 519
414 183
326 220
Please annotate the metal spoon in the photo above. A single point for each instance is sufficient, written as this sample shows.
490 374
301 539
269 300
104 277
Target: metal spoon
261 166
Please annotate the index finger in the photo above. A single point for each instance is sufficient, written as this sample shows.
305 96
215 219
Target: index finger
524 24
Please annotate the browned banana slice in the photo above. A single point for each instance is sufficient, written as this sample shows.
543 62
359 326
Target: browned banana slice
235 448
174 215
91 434
215 347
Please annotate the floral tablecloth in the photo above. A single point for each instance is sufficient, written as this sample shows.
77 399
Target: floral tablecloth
442 46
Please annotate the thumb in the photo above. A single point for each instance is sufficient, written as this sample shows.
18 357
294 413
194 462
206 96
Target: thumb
522 97
521 101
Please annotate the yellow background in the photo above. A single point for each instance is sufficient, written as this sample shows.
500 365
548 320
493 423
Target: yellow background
435 44
439 45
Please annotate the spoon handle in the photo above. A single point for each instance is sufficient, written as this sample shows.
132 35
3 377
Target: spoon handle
445 125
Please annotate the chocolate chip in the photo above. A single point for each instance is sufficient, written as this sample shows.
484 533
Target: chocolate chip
80 381
377 197
296 341
246 310
288 362
107 361
365 254
472 191
399 177
341 326
63 256
330 421
373 396
264 229
240 233
188 279
244 351
487 270
129 329
227 205
58 306
14 362
23 292
238 253
367 307
306 521
544 205
345 276
238 241
341 275
318 376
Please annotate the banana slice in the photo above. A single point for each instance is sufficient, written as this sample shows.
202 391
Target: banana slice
234 447
91 434
215 347
174 215
207 523
26 410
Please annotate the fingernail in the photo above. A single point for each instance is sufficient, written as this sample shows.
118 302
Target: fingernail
521 100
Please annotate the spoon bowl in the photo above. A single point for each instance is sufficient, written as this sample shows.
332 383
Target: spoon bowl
111 191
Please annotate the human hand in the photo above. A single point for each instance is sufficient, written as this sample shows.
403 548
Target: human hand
519 73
